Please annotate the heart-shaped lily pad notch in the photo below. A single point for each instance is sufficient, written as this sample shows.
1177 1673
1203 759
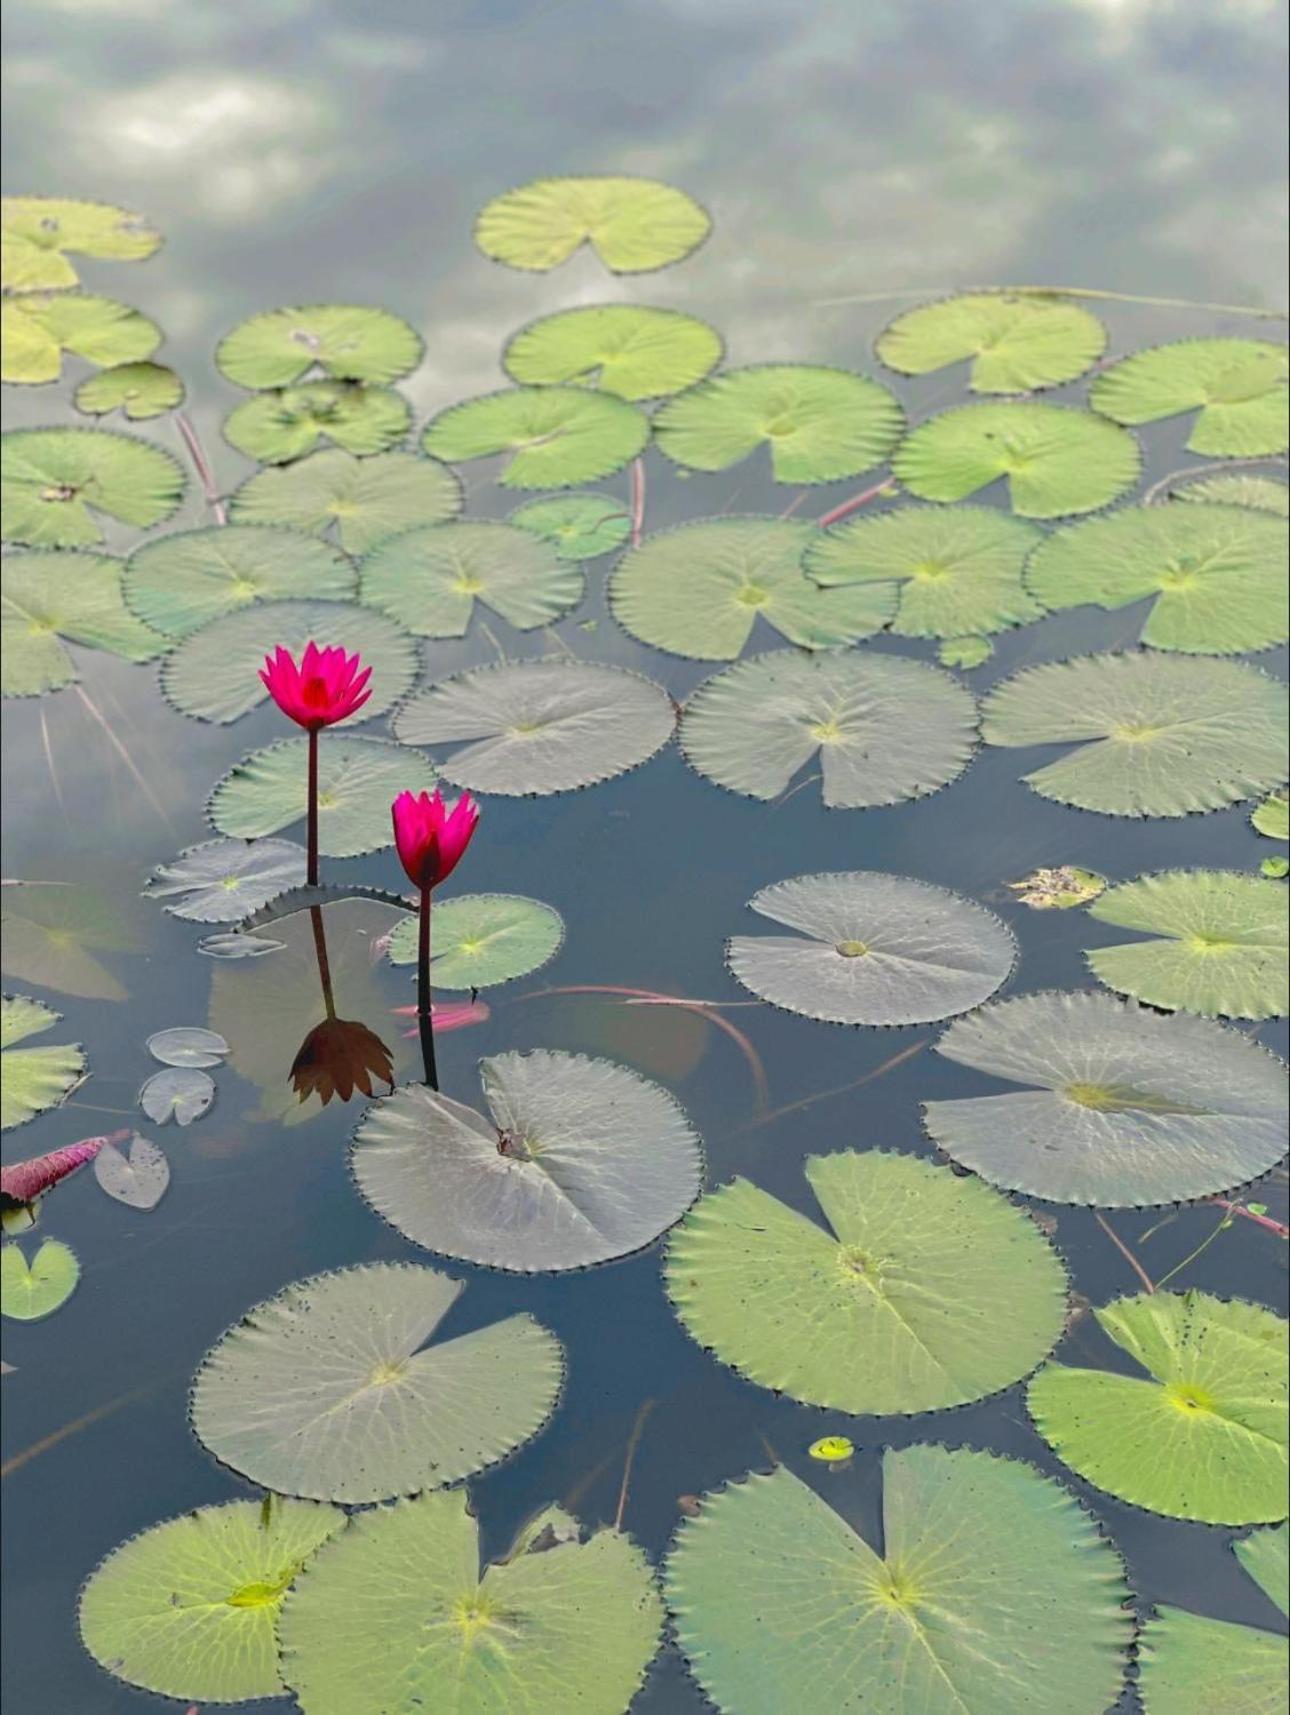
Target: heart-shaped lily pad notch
32 1290
557 437
1203 1434
225 881
578 526
331 1390
872 949
994 1589
189 1608
430 579
137 1176
54 483
348 342
36 329
139 390
582 1160
183 580
629 350
51 595
359 500
39 233
1015 344
1124 1108
33 1079
1237 387
633 225
482 939
358 780
923 1291
180 1093
275 428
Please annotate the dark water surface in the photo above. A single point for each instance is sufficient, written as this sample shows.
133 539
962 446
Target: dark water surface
296 151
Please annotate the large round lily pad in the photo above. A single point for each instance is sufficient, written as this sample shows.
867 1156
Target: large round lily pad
557 437
332 1390
33 1079
578 526
275 428
37 234
1237 387
53 482
478 940
924 1290
626 349
349 342
180 582
36 329
994 1595
224 881
632 224
1202 1435
583 1160
1015 343
884 729
48 595
362 500
430 578
1124 1108
139 390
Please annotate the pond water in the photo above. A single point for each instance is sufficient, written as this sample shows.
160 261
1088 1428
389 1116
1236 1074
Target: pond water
291 151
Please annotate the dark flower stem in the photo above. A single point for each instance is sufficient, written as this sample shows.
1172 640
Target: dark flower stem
424 1023
324 963
311 874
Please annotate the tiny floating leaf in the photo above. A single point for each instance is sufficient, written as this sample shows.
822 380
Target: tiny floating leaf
633 225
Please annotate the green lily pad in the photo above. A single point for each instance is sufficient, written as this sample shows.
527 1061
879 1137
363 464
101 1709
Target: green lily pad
1154 735
1236 386
29 1291
189 1608
49 595
358 780
536 727
1015 344
1189 1664
140 390
1202 1435
213 674
37 328
348 342
1124 1108
1220 943
578 526
1272 818
330 1389
957 572
819 424
633 225
582 1161
996 1596
481 939
1262 493
698 589
1265 1555
1057 460
430 579
180 582
923 1291
38 233
1215 575
1061 887
49 934
625 349
964 652
225 881
557 437
362 500
884 729
53 481
1275 868
275 428
33 1079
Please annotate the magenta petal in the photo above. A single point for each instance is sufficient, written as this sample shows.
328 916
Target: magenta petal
27 1180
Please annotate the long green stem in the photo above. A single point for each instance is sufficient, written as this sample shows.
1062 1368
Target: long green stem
311 874
424 1024
1191 1257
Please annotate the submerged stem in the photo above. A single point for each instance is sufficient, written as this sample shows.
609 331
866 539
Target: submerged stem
638 501
425 1024
311 874
324 963
197 453
886 486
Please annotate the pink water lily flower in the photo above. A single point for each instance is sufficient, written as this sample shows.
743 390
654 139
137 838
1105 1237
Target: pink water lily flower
429 837
325 688
27 1180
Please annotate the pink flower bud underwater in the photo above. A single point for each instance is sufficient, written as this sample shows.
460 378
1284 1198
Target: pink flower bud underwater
325 688
429 837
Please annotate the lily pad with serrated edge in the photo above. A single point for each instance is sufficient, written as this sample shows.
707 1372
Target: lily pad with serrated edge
213 674
50 932
481 939
331 1390
348 342
31 1290
1265 1555
33 1079
189 1608
278 427
923 1291
997 1595
819 424
1220 943
964 652
54 481
1015 344
1272 818
575 1623
872 949
140 390
632 224
49 595
557 437
582 1161
1237 387
1215 575
626 349
37 328
38 233
884 729
536 727
1155 734
1261 493
137 1177
180 582
362 499
1203 1434
430 578
224 881
1058 460
958 572
578 526
697 590
1125 1108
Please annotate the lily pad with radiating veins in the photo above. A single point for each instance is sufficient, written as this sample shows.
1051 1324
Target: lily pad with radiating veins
30 1290
333 1389
884 729
1057 460
698 589
362 499
430 578
819 424
1236 386
224 881
481 939
632 224
213 674
348 342
556 437
1265 1555
964 653
1154 735
578 526
358 780
531 728
1015 344
180 582
1215 575
37 234
54 481
626 349
1124 1108
137 1177
1202 1435
187 1045
1272 818
277 427
957 572
140 390
1261 493
872 949
50 932
582 1160
37 328
189 1608
180 1093
923 1290
1220 943
997 1595
51 595
33 1079
1189 1664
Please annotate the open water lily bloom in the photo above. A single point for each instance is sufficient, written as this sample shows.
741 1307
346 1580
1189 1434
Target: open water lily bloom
324 688
430 837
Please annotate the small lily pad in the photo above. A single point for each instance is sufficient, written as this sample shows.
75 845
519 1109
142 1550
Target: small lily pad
1272 818
1262 493
37 328
626 349
358 780
362 500
181 1093
138 1178
430 578
224 881
348 342
182 581
187 1045
557 437
633 225
37 234
51 595
275 428
1061 888
54 481
30 1290
33 1079
1015 344
832 1449
1237 387
578 526
964 652
140 390
481 939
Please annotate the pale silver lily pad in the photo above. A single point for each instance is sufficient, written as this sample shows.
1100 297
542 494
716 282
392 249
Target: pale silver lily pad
138 1177
223 881
180 1093
187 1045
238 946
